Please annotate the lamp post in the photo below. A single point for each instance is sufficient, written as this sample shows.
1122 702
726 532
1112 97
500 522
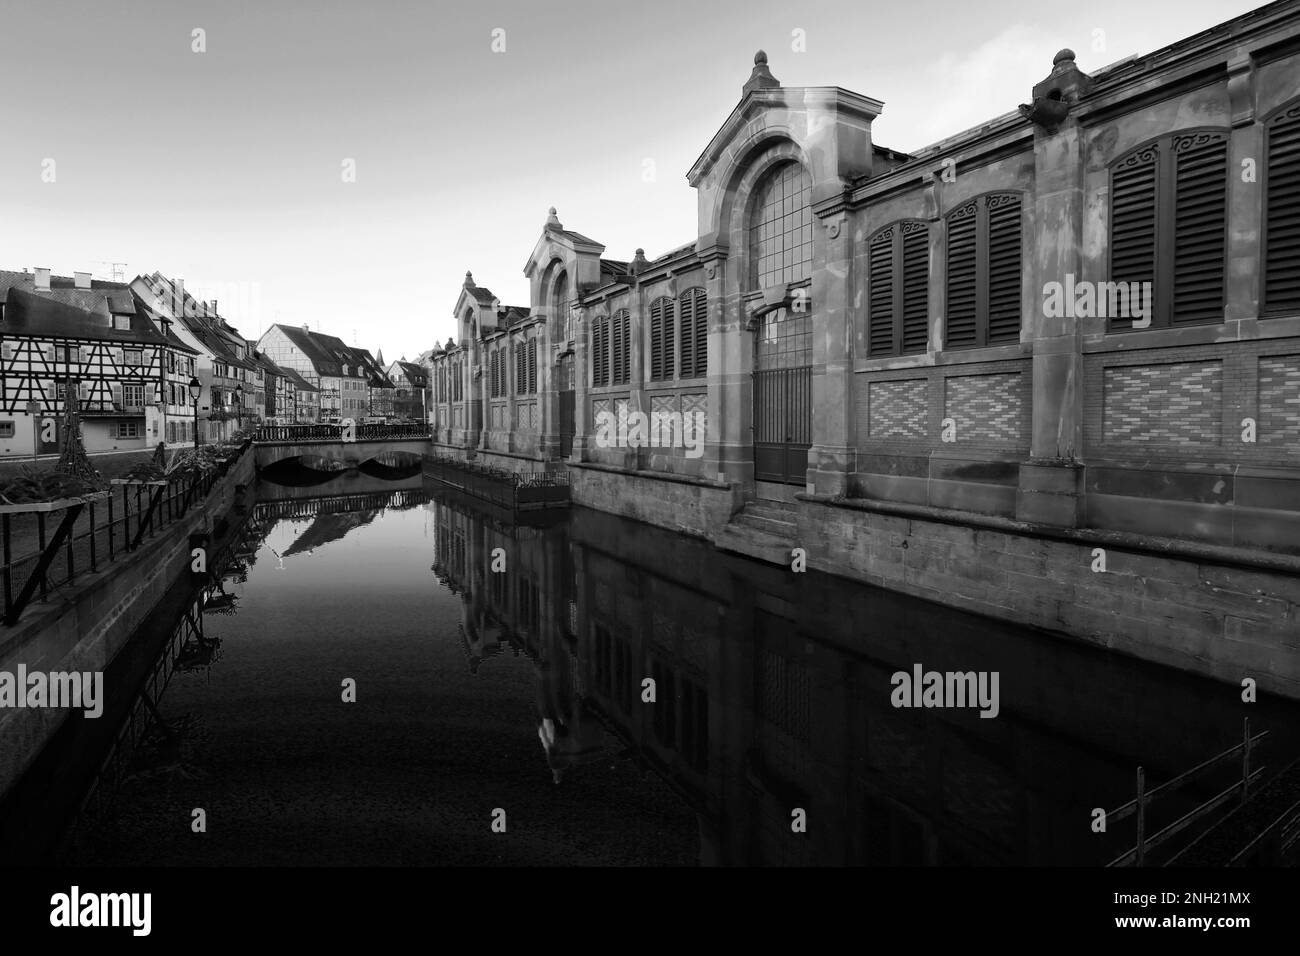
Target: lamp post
196 389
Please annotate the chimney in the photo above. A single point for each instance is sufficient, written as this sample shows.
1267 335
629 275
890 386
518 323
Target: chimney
306 327
214 307
81 280
42 279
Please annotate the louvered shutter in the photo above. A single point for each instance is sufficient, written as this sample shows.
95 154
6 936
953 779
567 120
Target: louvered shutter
662 362
1133 214
618 353
532 367
657 340
1200 226
963 278
700 306
916 287
880 294
1004 277
625 365
1282 214
598 352
692 332
616 348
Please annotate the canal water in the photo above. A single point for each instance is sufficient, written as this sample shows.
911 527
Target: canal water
390 674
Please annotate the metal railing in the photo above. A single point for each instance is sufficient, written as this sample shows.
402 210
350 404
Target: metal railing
44 550
1140 805
500 486
288 434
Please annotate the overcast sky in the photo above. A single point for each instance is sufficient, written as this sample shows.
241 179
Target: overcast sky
226 167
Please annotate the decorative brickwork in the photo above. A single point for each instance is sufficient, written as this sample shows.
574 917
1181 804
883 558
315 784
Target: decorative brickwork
1179 404
897 409
1279 400
988 409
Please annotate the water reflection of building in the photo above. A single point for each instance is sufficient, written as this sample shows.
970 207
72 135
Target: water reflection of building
773 693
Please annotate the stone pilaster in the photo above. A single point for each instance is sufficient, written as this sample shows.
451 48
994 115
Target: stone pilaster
1245 198
832 458
581 371
1051 487
728 452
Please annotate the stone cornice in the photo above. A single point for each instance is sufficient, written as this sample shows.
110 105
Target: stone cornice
834 99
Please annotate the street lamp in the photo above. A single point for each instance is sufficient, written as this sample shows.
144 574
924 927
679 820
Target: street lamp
196 389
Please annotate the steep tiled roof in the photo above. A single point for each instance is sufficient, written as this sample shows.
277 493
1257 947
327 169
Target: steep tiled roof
317 349
299 382
35 314
102 297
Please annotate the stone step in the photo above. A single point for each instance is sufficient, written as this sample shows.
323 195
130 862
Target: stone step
766 510
773 526
755 542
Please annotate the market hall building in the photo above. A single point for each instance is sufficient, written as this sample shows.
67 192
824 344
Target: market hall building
956 372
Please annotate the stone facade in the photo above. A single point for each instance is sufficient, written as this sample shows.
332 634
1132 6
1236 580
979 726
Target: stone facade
1012 406
1077 318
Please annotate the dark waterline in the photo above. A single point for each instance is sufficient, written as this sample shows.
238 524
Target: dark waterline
522 691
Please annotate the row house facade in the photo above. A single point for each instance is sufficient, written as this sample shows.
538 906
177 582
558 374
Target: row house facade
302 397
381 390
345 377
228 377
128 374
277 396
411 381
1082 313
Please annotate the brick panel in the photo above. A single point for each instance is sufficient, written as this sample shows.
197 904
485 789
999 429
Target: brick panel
986 408
1179 404
1279 400
897 409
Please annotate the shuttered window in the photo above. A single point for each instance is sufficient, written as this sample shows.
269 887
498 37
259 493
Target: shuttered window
898 285
693 333
1169 228
600 351
662 347
1281 265
532 366
984 274
621 347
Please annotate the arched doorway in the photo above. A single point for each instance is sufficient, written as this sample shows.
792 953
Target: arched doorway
782 396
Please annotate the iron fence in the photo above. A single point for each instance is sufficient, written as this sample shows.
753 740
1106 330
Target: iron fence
290 434
501 486
47 547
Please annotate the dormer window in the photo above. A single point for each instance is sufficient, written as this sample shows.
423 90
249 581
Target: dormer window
122 323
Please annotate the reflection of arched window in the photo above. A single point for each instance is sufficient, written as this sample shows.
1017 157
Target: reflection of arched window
780 227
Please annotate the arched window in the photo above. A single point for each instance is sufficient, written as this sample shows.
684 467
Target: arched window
560 307
1169 231
662 347
898 289
780 227
1281 264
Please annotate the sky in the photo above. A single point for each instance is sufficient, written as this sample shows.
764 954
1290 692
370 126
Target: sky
460 123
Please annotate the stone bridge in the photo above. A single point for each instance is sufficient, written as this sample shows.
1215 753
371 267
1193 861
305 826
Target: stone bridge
347 443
